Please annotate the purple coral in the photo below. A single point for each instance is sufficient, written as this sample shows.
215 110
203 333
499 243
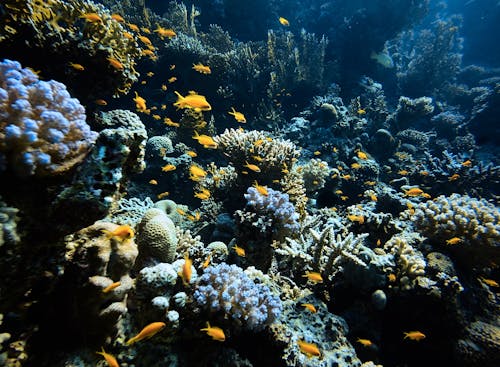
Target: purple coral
228 289
276 205
43 129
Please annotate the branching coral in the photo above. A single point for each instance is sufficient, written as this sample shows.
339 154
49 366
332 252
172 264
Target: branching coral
473 220
228 289
270 213
42 129
410 263
241 146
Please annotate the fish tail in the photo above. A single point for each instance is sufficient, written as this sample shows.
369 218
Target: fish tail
108 234
179 95
131 341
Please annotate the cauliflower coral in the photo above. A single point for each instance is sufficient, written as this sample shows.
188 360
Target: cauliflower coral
42 129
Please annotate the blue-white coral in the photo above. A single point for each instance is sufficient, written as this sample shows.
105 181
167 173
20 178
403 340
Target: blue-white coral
43 129
228 289
276 205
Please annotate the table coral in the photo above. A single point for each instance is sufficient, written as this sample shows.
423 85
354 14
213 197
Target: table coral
43 129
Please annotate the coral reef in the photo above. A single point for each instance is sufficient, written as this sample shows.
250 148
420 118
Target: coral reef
43 130
63 34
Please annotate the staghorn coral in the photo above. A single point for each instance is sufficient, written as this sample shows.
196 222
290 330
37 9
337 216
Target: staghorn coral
306 56
292 184
429 59
58 34
228 289
156 238
239 146
321 251
43 130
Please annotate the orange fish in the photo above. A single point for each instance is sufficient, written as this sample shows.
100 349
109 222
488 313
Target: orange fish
186 272
147 332
123 232
110 359
203 69
313 277
110 287
115 63
215 332
414 335
78 67
101 102
309 349
309 307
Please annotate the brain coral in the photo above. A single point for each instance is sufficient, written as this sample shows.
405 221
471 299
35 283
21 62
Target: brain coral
157 237
228 289
42 129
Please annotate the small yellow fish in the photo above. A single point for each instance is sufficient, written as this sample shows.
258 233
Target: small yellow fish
203 69
284 21
261 189
365 342
239 250
153 182
490 282
355 165
191 154
205 140
317 152
414 192
356 218
362 155
206 263
467 163
78 67
123 232
252 167
186 271
453 241
110 359
309 306
361 111
454 177
162 32
168 168
238 116
162 195
196 173
169 122
313 277
215 332
309 349
147 332
414 335
172 79
110 287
